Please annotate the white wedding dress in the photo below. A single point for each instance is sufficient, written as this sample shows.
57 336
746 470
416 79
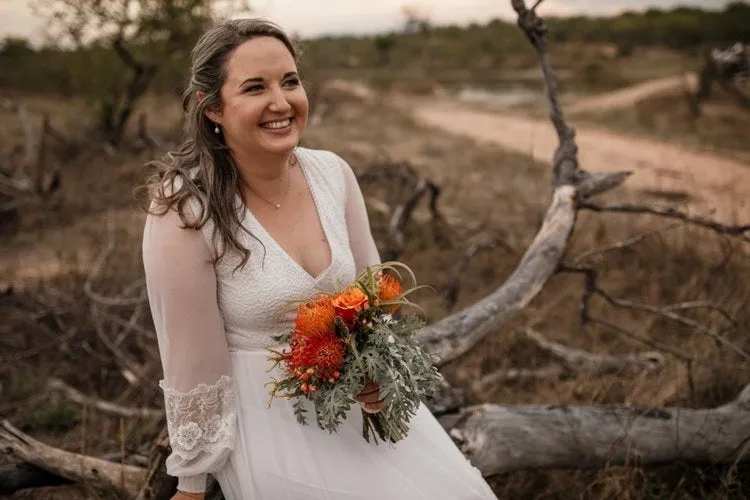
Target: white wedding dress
213 326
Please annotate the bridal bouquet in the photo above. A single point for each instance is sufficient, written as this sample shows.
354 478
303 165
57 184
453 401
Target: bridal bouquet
342 340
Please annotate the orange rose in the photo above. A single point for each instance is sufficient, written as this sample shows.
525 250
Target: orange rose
348 303
315 317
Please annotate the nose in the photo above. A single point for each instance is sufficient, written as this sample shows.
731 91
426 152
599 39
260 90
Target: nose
278 103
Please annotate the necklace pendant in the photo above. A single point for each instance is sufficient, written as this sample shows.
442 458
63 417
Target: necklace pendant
278 206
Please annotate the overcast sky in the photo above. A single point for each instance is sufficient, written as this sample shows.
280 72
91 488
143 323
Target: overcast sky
311 18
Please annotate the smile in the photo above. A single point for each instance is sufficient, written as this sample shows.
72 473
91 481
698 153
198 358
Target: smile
277 124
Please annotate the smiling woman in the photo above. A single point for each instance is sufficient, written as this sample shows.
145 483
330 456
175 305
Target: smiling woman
242 224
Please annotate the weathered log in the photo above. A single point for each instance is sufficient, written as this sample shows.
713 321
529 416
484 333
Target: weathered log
126 479
499 439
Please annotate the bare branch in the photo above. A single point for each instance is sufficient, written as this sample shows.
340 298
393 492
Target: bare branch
402 214
456 334
619 245
97 268
592 288
741 231
103 406
575 362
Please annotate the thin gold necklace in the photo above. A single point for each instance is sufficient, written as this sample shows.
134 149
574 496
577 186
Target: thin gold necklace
292 162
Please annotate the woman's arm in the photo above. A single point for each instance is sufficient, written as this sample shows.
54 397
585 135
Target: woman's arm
360 238
198 387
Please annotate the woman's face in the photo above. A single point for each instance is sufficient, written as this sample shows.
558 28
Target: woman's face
264 106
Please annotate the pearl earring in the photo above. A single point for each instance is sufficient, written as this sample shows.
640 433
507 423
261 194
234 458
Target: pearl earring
217 130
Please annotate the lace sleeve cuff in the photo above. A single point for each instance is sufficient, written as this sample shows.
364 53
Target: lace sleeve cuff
202 420
194 484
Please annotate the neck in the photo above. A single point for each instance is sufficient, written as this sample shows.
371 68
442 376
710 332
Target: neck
262 167
264 175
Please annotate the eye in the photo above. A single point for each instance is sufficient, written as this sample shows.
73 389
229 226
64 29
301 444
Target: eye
254 88
292 82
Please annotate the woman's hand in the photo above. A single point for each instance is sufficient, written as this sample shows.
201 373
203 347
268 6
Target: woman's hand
183 495
369 398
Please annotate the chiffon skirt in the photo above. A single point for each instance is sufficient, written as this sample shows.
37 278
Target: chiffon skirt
276 458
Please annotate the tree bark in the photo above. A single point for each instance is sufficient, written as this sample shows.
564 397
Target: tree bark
95 471
499 439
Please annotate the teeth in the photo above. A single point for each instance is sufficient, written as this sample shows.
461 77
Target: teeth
278 123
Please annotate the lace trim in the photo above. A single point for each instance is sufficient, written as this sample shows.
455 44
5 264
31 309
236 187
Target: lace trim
202 420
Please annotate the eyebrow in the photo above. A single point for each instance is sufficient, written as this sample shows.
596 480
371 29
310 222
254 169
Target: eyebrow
258 79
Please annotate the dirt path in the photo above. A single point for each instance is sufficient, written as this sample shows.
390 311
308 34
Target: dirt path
711 183
629 96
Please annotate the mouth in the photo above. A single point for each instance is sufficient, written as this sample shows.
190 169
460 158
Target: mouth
278 124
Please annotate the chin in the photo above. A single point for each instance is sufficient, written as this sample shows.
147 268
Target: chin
282 145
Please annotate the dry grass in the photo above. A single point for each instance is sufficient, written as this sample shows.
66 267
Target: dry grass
48 329
723 127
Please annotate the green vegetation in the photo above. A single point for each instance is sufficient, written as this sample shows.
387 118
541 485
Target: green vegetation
447 53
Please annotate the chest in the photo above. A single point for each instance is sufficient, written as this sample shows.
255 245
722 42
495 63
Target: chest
298 228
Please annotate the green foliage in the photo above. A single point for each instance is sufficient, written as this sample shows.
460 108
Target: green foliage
390 355
679 28
165 30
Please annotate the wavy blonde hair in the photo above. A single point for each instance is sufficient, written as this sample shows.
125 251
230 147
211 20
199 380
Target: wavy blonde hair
203 167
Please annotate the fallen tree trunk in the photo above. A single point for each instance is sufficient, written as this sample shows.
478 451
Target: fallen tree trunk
72 466
499 439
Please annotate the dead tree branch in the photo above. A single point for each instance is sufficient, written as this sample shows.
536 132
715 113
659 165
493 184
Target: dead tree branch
126 479
403 212
499 439
574 362
456 334
740 231
592 288
103 406
628 242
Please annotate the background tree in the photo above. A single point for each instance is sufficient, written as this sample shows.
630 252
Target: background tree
146 35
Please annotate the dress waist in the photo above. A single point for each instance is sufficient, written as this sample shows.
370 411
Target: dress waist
252 342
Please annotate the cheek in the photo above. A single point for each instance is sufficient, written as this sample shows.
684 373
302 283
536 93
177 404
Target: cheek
301 103
246 110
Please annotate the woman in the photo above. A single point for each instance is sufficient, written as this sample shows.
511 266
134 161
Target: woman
243 222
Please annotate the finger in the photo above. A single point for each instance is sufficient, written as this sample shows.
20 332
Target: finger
374 407
370 387
372 397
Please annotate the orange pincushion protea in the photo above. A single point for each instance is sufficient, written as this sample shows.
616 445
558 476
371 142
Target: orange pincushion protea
348 303
322 353
389 288
316 317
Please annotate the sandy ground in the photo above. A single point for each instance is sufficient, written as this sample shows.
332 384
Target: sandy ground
629 96
712 185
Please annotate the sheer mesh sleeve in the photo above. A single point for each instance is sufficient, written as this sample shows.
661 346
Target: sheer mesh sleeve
198 389
360 237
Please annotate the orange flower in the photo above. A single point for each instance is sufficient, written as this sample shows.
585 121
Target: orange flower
389 288
348 303
315 317
321 355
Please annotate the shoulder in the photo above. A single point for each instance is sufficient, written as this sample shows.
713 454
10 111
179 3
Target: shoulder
330 166
328 162
321 157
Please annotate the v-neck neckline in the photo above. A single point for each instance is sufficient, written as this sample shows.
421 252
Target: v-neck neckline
322 221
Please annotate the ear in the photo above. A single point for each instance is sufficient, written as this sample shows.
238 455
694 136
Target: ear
212 114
